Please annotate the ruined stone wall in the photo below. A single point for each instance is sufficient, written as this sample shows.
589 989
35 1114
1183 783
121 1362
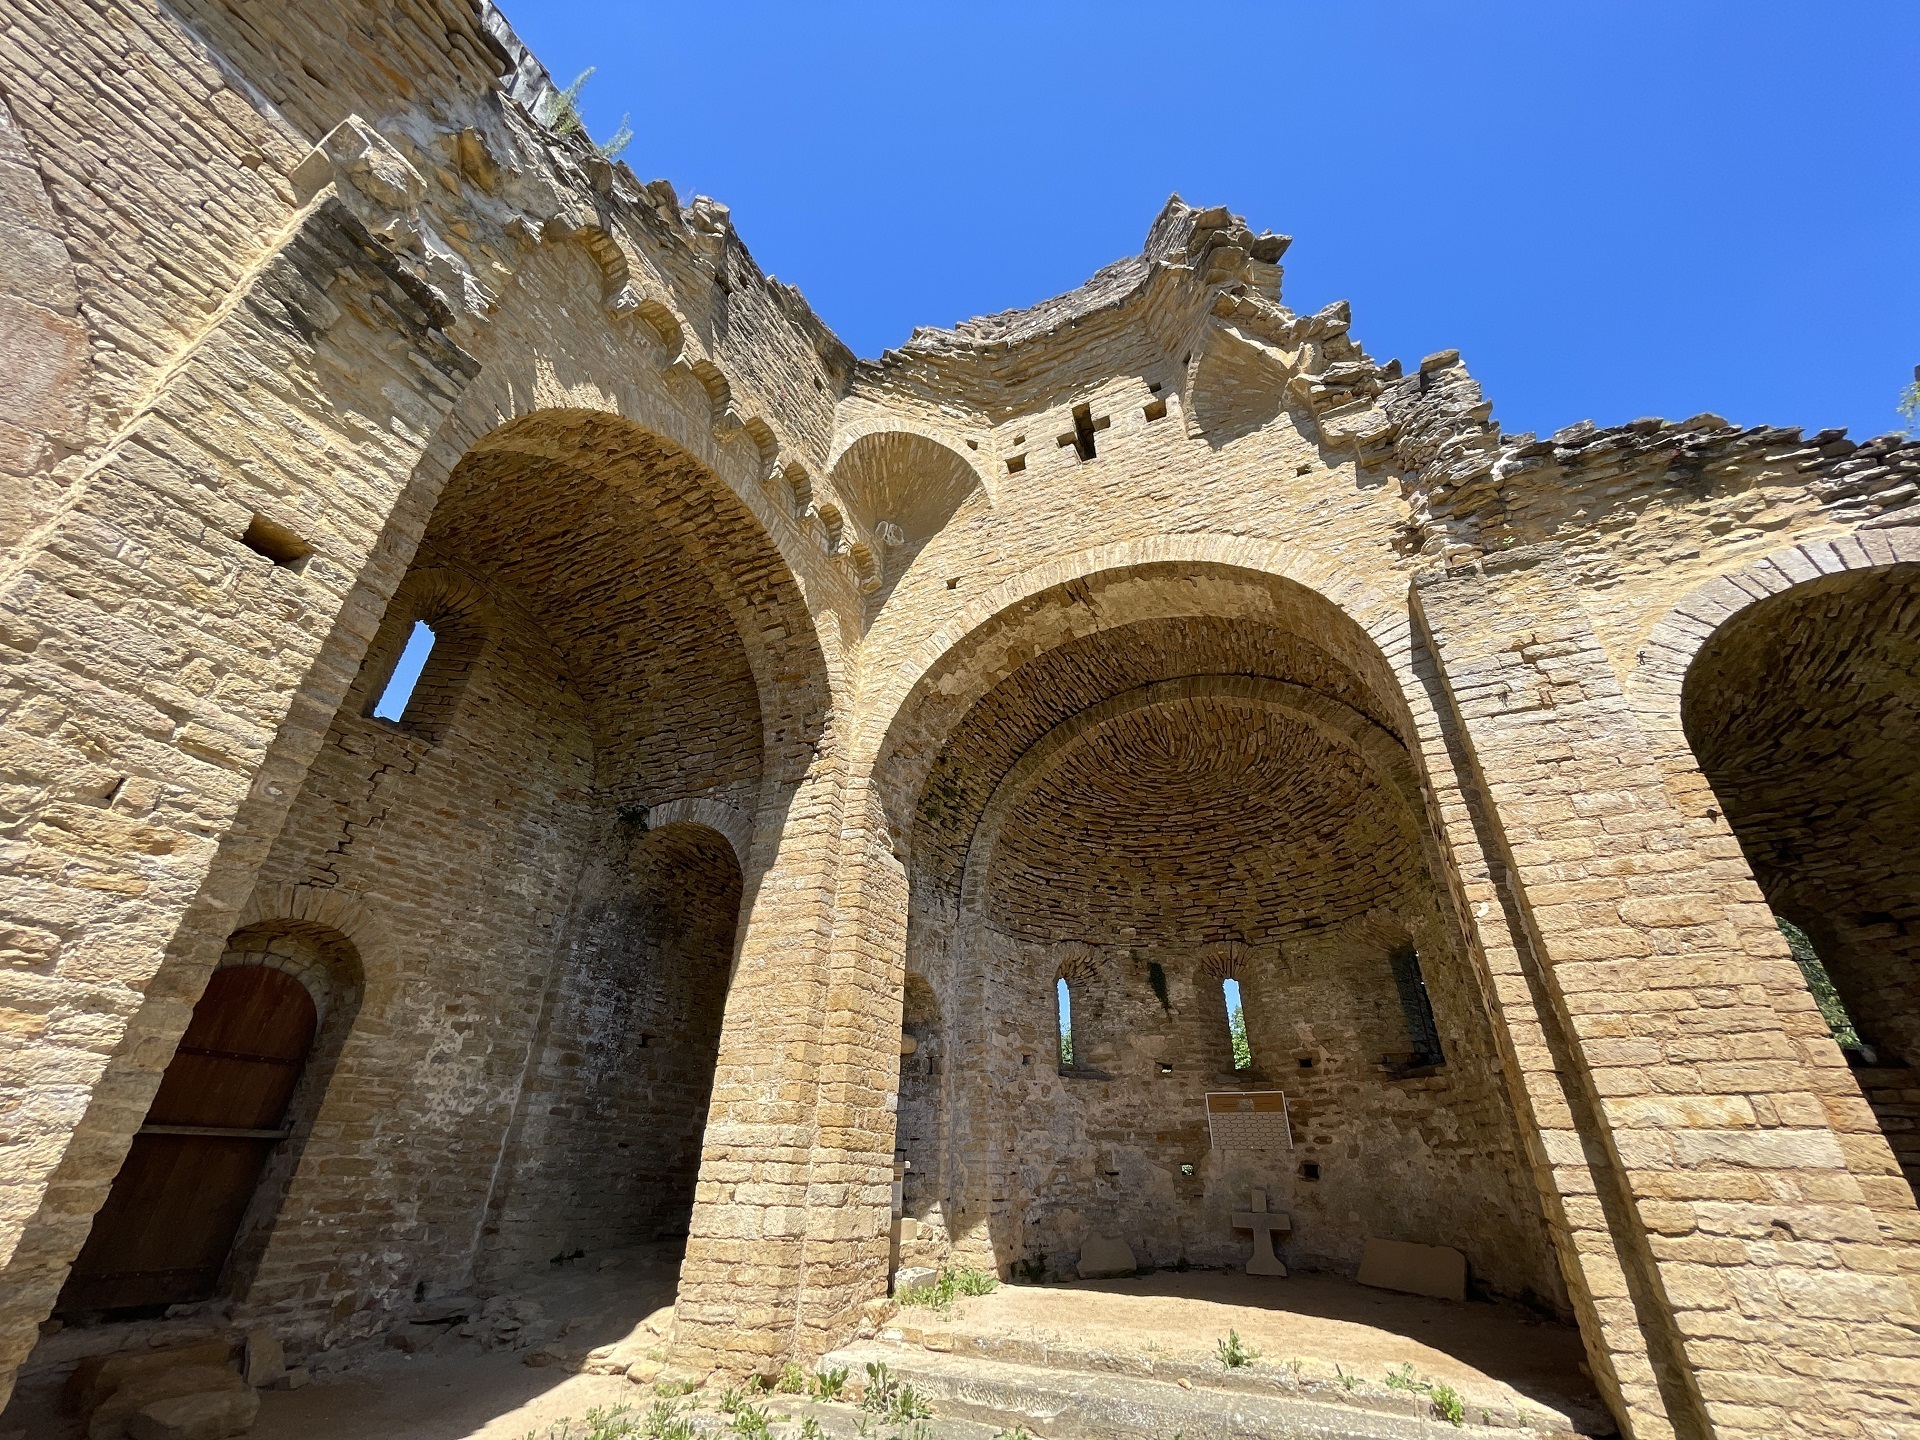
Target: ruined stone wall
293 315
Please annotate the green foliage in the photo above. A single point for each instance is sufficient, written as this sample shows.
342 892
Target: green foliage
1832 1008
611 148
731 1399
1019 1432
1232 1354
563 115
665 1422
1909 406
792 1381
1347 1382
827 1384
672 1389
751 1422
1445 1400
619 1423
892 1398
1237 1028
810 1429
958 1281
1066 1043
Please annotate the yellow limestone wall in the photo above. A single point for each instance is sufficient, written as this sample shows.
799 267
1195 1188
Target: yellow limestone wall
838 634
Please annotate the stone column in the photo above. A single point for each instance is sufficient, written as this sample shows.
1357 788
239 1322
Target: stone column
1769 1286
746 1267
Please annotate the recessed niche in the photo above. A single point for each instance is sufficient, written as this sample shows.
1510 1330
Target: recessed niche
277 543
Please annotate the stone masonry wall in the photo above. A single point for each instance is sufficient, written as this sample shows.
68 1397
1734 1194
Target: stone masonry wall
696 562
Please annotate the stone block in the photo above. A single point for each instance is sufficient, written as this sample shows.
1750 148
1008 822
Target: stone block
98 1376
265 1359
1102 1257
210 1415
113 1417
1438 1270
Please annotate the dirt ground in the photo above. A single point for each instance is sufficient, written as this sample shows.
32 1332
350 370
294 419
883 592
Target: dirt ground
452 1389
1318 1320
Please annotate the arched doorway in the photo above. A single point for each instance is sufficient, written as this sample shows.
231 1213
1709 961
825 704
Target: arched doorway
168 1226
607 1149
1803 712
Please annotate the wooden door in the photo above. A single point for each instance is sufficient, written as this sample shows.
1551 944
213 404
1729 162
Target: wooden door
162 1237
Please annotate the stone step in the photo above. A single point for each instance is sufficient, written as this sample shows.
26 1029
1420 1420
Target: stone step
1059 1404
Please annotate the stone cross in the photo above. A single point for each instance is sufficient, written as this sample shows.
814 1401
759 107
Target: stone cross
1264 1227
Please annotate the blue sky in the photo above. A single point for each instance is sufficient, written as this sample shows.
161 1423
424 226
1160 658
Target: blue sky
1612 208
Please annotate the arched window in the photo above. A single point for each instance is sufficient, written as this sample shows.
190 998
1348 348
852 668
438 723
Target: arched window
1063 1005
392 703
1417 1008
1236 1024
1832 1008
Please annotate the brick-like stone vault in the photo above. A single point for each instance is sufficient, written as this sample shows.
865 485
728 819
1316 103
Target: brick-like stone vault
782 703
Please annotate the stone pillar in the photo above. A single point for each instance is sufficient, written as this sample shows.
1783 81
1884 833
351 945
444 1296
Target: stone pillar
1767 1281
746 1266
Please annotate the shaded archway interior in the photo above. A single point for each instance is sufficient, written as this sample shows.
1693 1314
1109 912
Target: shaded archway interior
1168 849
1804 713
530 1070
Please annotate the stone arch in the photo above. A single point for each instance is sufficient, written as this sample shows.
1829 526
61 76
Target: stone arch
548 349
1676 638
1383 620
733 825
1224 960
1783 703
1382 754
902 487
1197 593
323 960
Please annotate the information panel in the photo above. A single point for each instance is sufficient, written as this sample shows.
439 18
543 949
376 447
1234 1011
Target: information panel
1248 1120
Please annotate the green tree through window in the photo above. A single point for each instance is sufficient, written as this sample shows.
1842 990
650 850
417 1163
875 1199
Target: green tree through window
1063 999
1237 1025
1832 1008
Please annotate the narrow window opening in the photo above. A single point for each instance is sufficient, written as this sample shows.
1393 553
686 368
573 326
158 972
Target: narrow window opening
1417 1007
1155 410
1237 1024
1063 1004
1832 1008
277 543
1084 428
392 703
